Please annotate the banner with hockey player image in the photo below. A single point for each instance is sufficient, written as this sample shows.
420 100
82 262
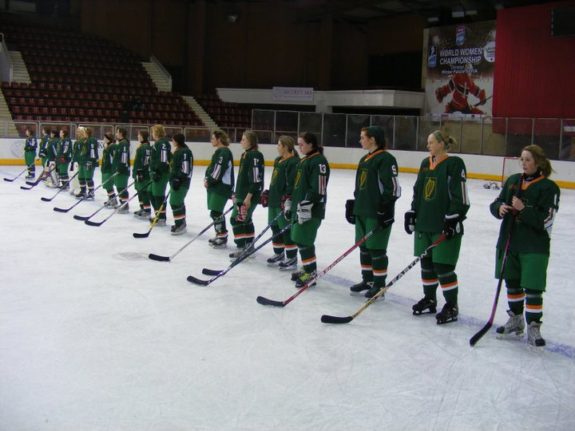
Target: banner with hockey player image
460 65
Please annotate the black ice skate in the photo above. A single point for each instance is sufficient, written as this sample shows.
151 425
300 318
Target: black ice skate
425 305
361 286
447 314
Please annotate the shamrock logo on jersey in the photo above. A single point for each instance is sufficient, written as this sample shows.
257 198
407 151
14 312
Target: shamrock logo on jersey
430 188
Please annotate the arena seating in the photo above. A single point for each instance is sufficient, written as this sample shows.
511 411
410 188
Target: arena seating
225 114
81 78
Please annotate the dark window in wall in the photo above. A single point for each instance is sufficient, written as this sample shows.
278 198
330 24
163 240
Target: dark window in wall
399 70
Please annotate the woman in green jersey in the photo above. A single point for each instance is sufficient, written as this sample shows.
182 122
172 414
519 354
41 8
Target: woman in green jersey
249 186
180 177
219 183
309 198
440 203
281 188
160 172
141 175
108 171
527 205
373 209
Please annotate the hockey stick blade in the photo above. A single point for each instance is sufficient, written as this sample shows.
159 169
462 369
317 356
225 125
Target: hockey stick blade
94 223
81 218
195 280
159 258
473 340
141 235
326 318
45 199
62 210
26 188
212 272
265 301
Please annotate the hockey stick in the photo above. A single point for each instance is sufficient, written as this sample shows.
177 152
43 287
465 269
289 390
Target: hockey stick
84 218
265 301
32 184
239 260
50 199
170 258
207 271
155 221
65 210
477 336
116 210
326 318
17 176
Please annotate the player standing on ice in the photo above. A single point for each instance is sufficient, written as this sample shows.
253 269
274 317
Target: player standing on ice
87 161
181 168
529 213
281 188
30 153
141 175
309 198
219 183
249 186
107 170
440 203
376 190
121 167
160 172
461 84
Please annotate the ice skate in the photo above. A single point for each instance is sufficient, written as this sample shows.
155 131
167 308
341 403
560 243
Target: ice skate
288 265
218 242
374 290
515 325
425 305
534 334
447 314
178 229
361 286
275 259
304 279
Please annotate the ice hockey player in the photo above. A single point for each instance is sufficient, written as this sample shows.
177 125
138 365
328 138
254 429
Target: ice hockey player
30 147
141 174
249 186
527 205
87 162
181 168
376 190
159 172
439 206
219 183
107 170
281 188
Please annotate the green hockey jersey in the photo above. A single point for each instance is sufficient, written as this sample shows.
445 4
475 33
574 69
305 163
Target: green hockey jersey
250 175
283 177
220 172
161 156
181 165
312 176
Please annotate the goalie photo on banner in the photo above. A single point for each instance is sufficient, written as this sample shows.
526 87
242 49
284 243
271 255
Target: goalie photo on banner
459 69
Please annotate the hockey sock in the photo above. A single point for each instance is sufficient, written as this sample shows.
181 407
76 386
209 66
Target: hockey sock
515 296
144 197
307 254
90 183
290 247
533 305
379 261
365 262
448 280
429 278
239 230
277 242
179 215
249 232
219 224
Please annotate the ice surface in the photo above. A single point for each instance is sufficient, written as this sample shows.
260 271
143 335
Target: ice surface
95 336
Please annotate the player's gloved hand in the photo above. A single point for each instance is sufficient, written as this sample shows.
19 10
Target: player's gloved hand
409 222
385 215
156 176
439 95
264 198
349 206
304 211
242 212
452 225
482 97
140 175
286 206
175 183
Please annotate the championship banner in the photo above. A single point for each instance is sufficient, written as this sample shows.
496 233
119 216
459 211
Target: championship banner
460 65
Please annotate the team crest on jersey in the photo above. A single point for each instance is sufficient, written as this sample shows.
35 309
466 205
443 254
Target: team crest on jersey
362 179
274 176
297 178
430 189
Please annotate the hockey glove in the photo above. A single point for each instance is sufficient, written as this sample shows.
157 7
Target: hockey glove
385 215
409 222
140 175
286 206
242 213
264 198
452 225
349 206
304 211
176 183
156 176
